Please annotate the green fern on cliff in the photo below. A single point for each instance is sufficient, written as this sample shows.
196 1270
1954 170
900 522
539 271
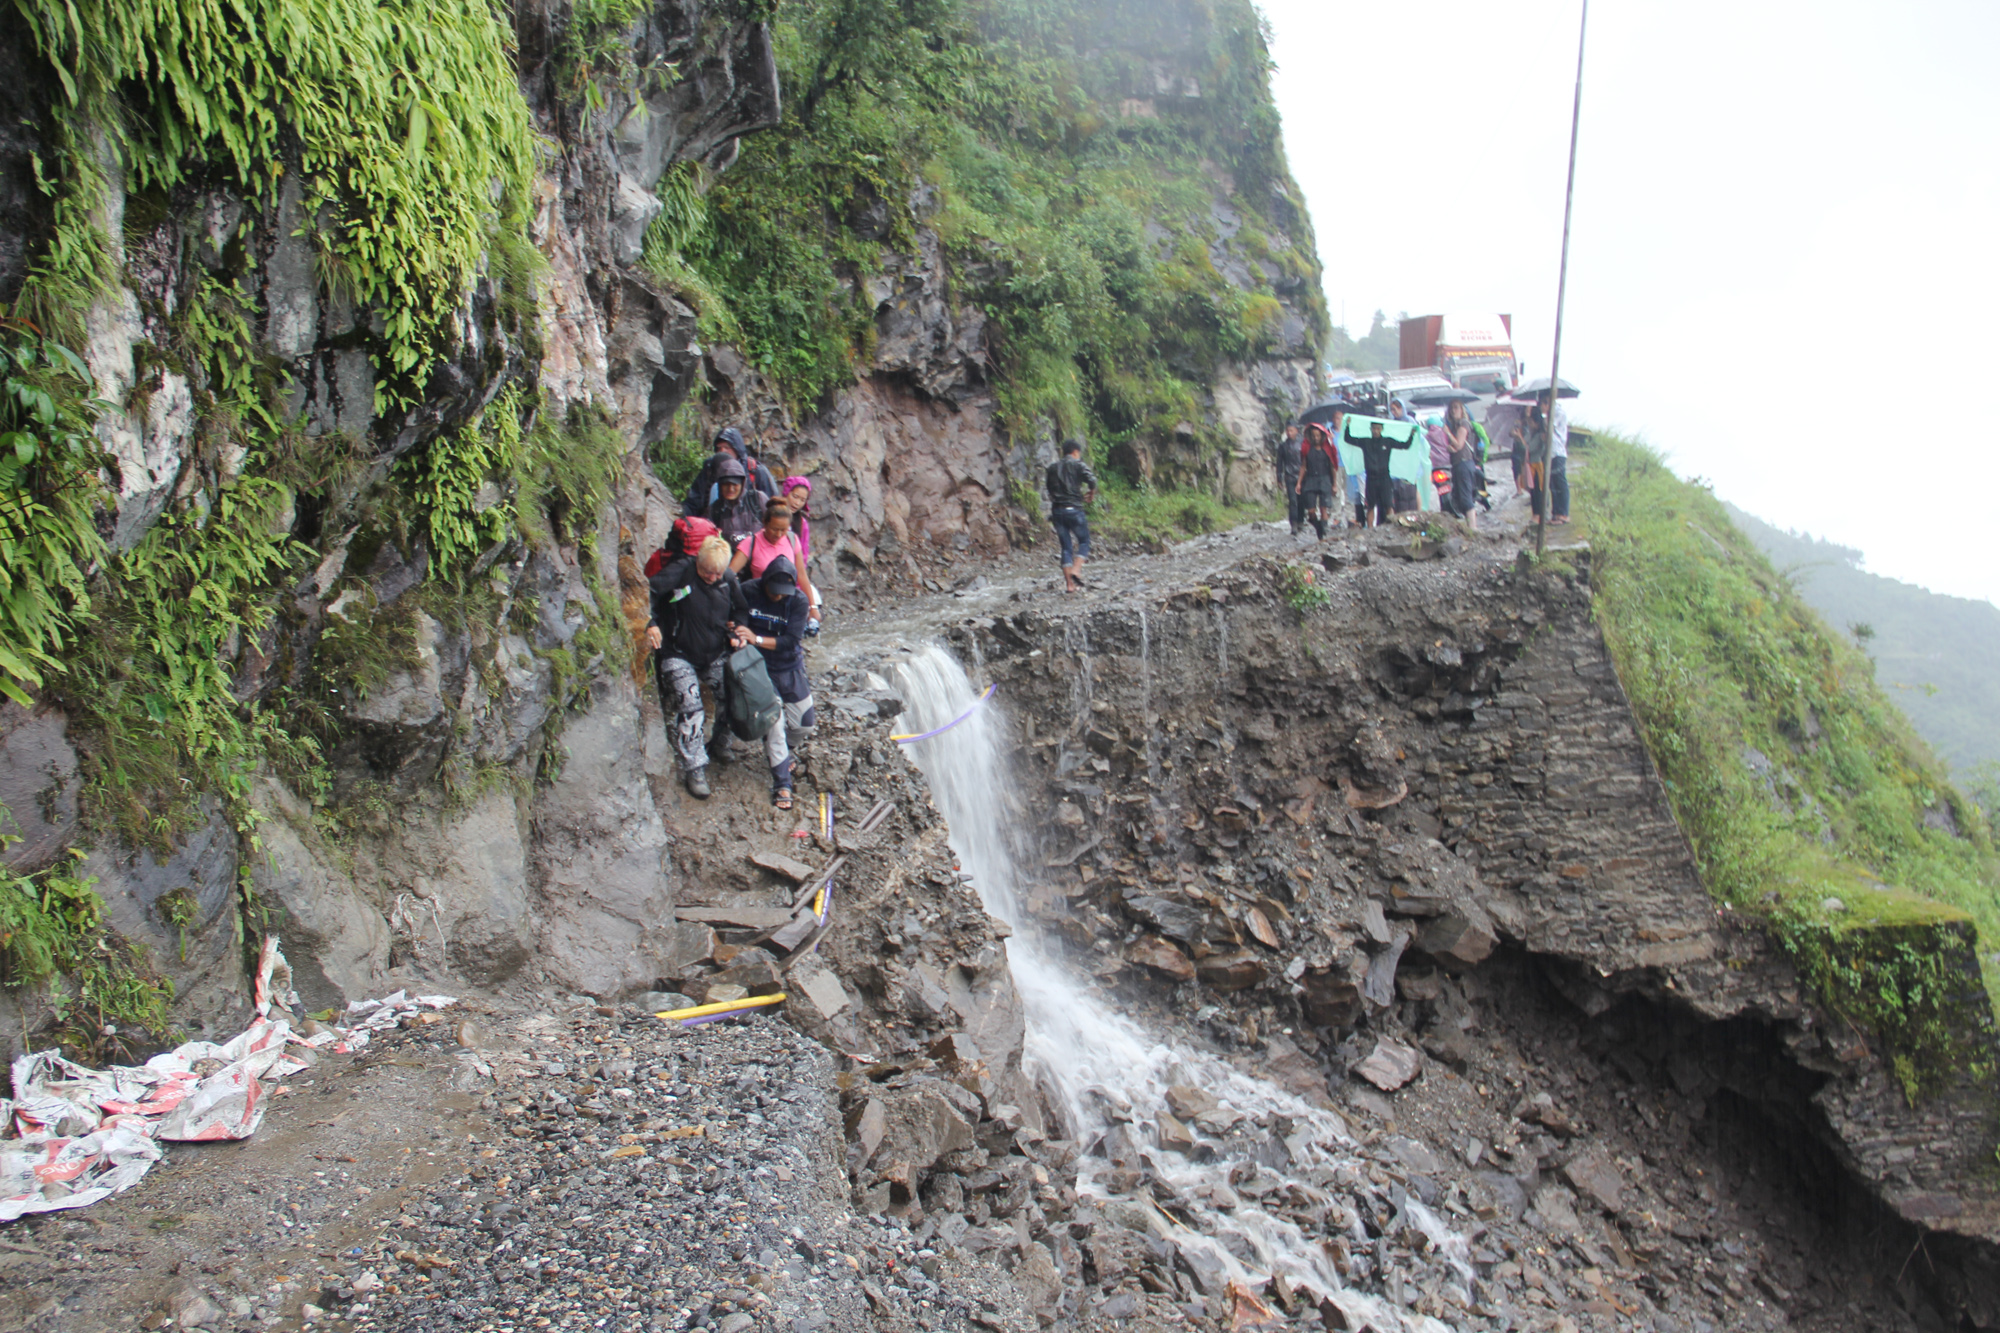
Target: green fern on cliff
151 691
456 482
48 462
102 998
402 119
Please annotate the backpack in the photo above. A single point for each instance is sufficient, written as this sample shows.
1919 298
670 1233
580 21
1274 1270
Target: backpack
685 539
750 701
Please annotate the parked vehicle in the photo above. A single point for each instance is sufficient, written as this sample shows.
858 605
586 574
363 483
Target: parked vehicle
1473 352
1413 383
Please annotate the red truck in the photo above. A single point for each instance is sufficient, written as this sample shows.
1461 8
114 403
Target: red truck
1474 352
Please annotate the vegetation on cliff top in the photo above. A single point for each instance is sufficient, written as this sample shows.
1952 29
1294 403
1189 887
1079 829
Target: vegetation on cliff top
1795 778
1083 165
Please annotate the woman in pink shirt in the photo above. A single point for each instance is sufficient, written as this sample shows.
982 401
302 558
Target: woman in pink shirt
775 539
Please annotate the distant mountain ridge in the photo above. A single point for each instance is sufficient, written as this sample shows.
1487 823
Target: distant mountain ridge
1936 656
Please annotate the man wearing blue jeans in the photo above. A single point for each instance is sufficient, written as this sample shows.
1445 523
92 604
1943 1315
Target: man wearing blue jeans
1072 485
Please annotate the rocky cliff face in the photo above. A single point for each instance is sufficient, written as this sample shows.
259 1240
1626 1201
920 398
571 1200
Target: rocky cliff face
915 453
1122 255
485 811
488 815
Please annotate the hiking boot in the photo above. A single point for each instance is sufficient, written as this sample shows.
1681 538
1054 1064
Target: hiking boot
697 783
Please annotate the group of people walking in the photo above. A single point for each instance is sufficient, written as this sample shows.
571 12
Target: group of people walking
733 575
1320 489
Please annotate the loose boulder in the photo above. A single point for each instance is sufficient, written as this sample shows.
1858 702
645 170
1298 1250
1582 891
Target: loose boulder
1231 971
1390 1065
1153 952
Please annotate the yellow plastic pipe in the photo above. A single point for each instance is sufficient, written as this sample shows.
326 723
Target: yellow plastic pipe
703 1010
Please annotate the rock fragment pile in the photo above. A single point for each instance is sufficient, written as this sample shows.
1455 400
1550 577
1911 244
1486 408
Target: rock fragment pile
659 1178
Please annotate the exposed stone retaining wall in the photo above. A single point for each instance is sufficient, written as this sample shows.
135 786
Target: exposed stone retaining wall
1250 801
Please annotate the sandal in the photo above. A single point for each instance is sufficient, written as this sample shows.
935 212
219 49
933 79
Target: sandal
782 798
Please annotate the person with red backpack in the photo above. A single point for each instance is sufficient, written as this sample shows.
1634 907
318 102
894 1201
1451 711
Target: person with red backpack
699 617
683 540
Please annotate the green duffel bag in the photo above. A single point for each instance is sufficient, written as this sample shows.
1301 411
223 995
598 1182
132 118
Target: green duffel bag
750 701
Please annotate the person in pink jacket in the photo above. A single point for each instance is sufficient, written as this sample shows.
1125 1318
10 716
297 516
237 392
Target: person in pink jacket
798 493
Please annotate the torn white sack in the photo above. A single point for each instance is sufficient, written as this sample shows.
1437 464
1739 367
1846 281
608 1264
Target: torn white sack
73 1135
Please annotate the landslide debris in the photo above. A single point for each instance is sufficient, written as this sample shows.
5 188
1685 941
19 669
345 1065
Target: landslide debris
1368 860
667 1177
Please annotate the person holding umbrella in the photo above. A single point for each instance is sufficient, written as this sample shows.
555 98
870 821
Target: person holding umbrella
1541 458
1557 453
1319 475
1544 446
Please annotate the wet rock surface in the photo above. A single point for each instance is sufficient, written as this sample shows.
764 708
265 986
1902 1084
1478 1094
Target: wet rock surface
1378 881
1234 867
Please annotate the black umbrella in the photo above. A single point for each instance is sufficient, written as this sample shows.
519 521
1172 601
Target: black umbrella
1538 387
1432 397
1323 414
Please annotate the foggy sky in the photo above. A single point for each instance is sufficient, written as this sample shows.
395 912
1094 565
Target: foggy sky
1782 271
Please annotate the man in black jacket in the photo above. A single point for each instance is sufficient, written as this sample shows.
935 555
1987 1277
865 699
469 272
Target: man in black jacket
699 618
1290 459
1378 495
705 490
1072 485
728 446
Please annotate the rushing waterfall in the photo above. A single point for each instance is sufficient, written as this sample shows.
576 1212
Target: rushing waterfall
1109 1080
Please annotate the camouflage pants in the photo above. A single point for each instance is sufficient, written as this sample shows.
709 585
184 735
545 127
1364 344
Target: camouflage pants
681 683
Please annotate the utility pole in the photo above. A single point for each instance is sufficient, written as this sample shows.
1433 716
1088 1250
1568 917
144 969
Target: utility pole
1562 285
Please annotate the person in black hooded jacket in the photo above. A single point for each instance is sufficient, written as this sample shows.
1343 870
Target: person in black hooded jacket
738 509
701 494
778 612
759 476
703 484
699 617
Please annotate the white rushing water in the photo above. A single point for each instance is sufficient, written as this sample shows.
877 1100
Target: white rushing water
1106 1076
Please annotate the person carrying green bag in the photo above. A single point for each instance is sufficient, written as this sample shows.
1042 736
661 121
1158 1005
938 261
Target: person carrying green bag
699 617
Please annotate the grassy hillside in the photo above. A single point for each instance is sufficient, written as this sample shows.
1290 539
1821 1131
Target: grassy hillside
1934 655
1796 779
1107 180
